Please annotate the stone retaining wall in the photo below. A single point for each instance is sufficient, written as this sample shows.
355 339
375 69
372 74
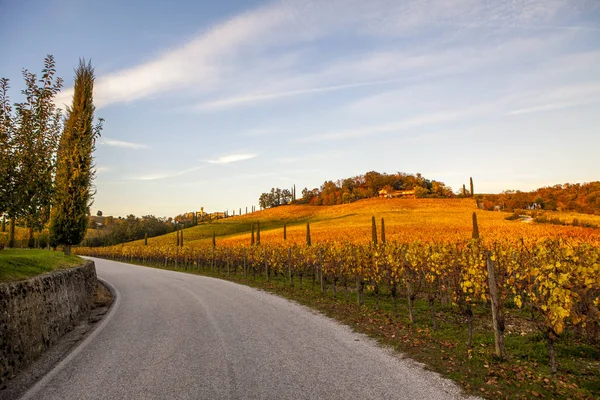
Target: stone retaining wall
35 313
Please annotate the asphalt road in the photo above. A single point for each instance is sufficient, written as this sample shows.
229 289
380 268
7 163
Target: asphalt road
177 336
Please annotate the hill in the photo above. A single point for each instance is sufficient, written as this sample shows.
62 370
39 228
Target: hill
406 220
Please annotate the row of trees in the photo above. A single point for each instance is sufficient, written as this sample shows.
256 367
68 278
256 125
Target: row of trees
277 197
46 165
360 187
583 198
114 231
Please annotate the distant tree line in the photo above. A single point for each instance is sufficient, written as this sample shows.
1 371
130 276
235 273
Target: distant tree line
108 231
360 187
583 198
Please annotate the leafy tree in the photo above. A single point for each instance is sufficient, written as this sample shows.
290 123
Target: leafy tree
6 136
75 171
28 144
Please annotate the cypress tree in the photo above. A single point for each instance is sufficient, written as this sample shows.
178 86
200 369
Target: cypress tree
146 239
214 240
464 191
252 239
75 170
373 230
475 226
382 231
181 239
472 190
308 242
177 234
257 232
284 232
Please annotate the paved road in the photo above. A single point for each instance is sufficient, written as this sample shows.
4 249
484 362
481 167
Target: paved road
177 336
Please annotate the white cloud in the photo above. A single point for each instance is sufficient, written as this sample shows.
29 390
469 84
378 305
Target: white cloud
253 98
430 118
232 158
165 175
251 57
566 96
122 144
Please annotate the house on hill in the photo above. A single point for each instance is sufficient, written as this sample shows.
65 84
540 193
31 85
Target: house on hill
385 194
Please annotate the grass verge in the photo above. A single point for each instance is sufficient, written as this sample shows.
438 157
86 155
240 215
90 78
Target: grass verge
19 264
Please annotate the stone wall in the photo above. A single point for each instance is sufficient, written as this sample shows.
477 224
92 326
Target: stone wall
35 313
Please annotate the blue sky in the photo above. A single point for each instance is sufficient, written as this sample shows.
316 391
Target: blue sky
208 104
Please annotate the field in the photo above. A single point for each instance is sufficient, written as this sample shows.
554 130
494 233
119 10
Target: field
406 220
18 264
518 304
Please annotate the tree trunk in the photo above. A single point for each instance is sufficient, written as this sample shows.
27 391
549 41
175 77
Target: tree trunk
266 265
321 272
212 260
346 290
67 249
290 267
411 301
360 285
551 354
11 233
394 290
30 238
497 317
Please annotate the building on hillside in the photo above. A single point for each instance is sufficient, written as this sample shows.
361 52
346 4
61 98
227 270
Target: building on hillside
217 215
384 194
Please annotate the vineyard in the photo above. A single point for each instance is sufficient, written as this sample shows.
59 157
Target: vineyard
418 264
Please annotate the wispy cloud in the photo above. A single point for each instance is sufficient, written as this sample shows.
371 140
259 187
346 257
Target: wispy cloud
165 175
257 44
258 97
232 158
431 118
556 98
123 144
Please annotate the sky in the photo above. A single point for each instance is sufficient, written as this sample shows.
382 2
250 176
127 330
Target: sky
210 103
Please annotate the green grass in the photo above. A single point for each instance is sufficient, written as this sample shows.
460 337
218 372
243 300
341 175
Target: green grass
19 264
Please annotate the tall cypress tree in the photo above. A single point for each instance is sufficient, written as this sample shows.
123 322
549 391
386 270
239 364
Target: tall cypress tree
472 188
75 171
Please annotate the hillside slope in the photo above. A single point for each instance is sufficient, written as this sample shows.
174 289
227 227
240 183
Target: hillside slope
405 220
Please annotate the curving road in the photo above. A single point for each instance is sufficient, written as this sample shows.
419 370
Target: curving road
177 336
